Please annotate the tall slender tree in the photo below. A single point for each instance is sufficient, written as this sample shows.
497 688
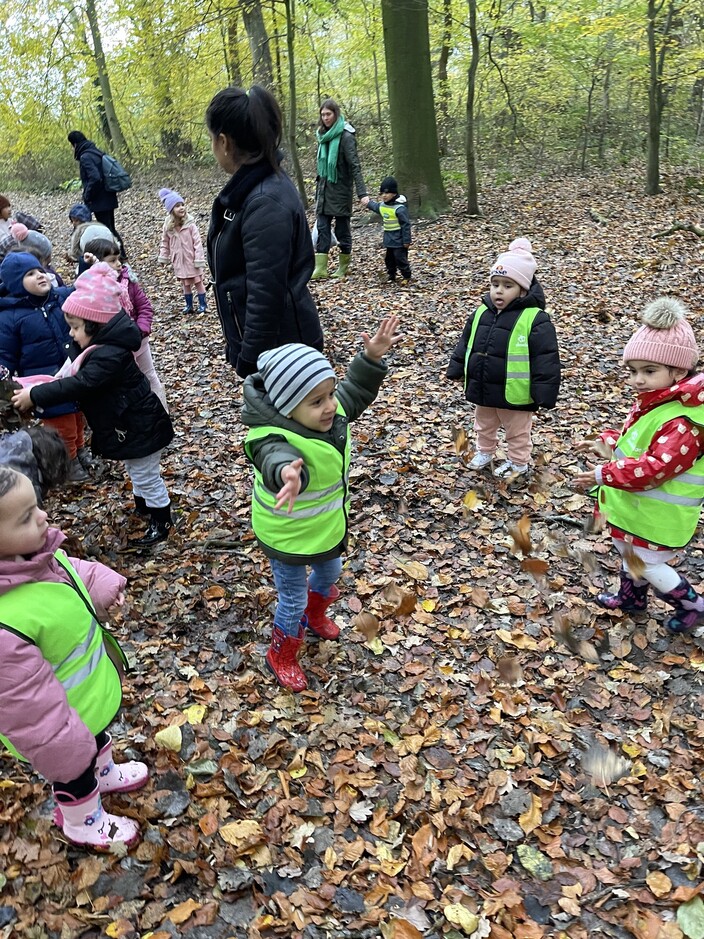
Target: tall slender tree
656 86
472 188
117 138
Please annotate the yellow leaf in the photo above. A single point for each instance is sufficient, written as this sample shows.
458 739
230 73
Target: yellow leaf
169 738
414 569
460 916
659 884
183 911
457 853
470 502
376 645
519 640
459 439
297 773
243 834
195 714
429 605
532 817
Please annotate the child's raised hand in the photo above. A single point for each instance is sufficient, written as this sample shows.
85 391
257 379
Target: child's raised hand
291 476
365 201
386 336
89 258
22 400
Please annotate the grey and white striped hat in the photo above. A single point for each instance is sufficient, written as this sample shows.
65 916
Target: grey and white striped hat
291 372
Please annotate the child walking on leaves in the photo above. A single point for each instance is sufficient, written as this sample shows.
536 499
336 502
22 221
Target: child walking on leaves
299 444
397 228
652 487
182 245
60 670
509 360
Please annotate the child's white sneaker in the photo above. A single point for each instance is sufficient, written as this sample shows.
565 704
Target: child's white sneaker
480 460
511 469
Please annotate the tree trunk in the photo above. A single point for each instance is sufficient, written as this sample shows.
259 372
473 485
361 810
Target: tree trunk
656 94
253 19
443 84
411 105
472 188
234 70
293 112
117 139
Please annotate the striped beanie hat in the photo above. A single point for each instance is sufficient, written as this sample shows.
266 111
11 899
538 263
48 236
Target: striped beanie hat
291 372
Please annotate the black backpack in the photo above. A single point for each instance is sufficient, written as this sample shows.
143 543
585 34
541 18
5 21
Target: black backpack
115 176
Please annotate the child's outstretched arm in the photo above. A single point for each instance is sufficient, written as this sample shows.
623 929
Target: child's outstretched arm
105 586
291 479
386 336
367 371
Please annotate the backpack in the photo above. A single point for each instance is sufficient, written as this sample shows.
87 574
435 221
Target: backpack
115 176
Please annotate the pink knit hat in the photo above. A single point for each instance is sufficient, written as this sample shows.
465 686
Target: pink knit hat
517 263
97 296
665 336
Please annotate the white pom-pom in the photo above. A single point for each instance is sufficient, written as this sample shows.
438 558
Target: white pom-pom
521 244
664 313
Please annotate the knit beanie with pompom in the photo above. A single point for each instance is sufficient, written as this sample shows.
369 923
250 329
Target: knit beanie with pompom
32 240
517 263
170 198
97 297
665 336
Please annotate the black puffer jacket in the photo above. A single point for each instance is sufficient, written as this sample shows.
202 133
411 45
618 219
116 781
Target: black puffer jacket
90 166
486 373
127 419
261 257
336 198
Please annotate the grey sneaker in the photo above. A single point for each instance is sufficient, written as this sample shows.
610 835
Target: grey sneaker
480 460
508 469
76 472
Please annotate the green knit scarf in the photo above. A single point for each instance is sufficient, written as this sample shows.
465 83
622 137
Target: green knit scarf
328 149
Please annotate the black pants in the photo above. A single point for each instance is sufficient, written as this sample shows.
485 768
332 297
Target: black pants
397 260
84 784
107 218
343 233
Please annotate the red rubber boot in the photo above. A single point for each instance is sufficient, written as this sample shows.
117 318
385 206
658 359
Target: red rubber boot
282 659
318 622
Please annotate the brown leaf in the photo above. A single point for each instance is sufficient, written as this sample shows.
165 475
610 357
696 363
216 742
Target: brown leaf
520 533
459 439
414 569
535 566
214 593
634 564
183 911
509 669
367 624
208 823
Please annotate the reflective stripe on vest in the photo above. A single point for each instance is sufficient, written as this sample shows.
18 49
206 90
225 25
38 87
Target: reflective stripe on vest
59 619
670 512
318 521
389 217
517 389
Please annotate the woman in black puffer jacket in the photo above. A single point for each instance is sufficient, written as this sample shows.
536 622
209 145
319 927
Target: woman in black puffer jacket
259 247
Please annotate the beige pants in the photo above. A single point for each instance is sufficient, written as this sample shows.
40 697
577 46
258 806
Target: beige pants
516 425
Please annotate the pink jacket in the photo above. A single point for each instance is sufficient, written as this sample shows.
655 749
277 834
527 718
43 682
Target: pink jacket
142 311
183 247
34 712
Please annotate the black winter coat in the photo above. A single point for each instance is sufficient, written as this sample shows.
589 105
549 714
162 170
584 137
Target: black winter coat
485 383
127 419
261 257
90 166
336 198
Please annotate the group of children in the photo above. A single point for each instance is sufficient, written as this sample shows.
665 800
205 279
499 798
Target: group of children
60 689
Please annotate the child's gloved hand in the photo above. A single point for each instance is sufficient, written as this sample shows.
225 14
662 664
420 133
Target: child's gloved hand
385 337
291 476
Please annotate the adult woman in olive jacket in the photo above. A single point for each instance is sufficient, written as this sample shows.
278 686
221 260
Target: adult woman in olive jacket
259 247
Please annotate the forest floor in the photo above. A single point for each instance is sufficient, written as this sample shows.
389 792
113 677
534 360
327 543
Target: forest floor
484 752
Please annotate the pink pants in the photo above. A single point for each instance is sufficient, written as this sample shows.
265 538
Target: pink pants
516 425
188 283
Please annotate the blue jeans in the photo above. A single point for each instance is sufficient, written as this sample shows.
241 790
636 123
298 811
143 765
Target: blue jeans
292 585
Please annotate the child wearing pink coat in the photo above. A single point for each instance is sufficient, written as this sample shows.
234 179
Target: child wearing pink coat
182 246
60 671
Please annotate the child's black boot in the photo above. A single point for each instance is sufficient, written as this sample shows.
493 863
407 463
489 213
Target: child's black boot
159 527
632 595
688 604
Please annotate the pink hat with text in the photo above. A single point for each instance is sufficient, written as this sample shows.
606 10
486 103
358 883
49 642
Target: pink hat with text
517 263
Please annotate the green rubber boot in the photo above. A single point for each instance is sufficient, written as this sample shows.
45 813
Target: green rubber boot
321 267
342 267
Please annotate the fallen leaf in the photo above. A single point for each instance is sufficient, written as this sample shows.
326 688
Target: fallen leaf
604 766
170 738
520 535
367 624
179 914
460 916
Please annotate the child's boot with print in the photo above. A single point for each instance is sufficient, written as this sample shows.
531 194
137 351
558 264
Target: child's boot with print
118 777
85 822
282 659
188 299
159 527
321 267
342 267
632 595
688 604
202 305
318 622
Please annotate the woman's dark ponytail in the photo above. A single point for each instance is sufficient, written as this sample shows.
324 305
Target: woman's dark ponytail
252 120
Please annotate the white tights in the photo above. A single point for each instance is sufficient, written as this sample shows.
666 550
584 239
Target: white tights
657 571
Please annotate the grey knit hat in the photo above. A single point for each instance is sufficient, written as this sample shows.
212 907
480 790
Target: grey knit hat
291 372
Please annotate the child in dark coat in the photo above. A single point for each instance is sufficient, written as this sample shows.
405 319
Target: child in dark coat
509 359
128 421
397 228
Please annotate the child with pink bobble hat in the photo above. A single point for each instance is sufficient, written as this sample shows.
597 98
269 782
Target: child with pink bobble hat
509 360
182 246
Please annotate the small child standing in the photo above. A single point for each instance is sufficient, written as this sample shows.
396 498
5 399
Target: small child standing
182 245
5 216
509 360
299 444
128 421
397 228
60 670
652 489
135 303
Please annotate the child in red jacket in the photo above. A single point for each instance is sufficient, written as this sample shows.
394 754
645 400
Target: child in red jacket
652 488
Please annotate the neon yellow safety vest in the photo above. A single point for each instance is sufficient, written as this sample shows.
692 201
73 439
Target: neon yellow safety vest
318 522
517 390
669 514
389 217
60 620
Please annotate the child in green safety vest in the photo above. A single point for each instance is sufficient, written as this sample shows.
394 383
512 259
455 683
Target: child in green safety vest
299 445
651 486
397 228
60 672
509 360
